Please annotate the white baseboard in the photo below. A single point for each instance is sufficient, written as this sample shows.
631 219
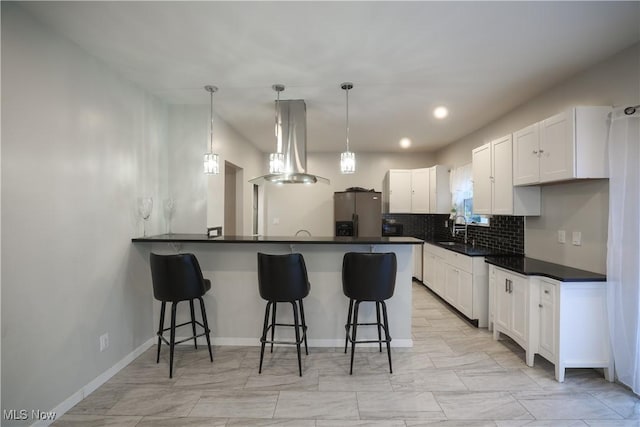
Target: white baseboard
254 342
76 397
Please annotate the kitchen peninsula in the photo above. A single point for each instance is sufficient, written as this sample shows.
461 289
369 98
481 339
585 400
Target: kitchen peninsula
235 309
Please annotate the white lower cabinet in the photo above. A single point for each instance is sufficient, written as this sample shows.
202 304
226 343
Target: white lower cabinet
458 279
564 322
417 262
547 324
511 294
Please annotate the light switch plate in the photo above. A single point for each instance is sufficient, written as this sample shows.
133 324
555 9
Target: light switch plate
562 238
576 238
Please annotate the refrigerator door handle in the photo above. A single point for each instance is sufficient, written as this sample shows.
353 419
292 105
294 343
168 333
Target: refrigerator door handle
354 217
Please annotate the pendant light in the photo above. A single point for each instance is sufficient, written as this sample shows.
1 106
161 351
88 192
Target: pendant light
276 160
347 158
211 159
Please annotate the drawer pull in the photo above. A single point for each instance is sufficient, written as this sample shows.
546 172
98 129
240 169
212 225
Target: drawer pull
546 291
540 305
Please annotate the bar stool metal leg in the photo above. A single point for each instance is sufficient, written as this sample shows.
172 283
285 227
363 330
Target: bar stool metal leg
172 341
347 327
386 333
296 326
379 325
273 322
263 339
193 324
304 327
353 337
160 329
207 331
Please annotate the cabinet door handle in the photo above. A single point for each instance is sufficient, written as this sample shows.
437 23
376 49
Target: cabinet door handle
535 151
546 291
506 285
541 151
540 305
510 286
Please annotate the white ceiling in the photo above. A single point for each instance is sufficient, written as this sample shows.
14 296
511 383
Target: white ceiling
480 59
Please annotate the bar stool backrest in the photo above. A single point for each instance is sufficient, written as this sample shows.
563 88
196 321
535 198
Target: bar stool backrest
369 276
176 277
282 277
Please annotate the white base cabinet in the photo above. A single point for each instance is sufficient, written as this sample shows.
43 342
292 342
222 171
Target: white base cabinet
564 322
458 279
511 303
417 262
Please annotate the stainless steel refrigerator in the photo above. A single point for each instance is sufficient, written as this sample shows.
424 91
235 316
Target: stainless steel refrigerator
358 213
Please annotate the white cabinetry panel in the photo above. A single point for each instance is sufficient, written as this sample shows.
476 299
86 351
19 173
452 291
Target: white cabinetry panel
569 145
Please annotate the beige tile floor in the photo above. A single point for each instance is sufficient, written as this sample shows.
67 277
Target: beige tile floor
455 375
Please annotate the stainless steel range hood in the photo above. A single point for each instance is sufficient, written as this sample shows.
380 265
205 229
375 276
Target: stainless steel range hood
292 134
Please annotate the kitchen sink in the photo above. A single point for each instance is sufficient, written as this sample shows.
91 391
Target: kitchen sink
447 243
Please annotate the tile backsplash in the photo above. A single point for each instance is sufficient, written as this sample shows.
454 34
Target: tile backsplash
506 233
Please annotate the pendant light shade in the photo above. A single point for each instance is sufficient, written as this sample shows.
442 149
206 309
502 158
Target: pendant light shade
211 159
347 162
347 158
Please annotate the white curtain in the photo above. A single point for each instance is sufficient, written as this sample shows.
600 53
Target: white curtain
623 255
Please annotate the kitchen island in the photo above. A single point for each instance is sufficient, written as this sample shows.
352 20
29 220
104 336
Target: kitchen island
234 306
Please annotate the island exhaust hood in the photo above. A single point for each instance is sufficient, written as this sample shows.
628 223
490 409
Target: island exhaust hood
292 143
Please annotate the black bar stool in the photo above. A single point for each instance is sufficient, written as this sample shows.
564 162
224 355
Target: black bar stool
179 278
368 277
283 278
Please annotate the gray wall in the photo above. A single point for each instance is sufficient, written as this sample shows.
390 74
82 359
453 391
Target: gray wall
79 145
200 198
571 206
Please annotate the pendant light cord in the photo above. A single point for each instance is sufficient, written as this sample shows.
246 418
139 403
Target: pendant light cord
347 90
211 127
278 145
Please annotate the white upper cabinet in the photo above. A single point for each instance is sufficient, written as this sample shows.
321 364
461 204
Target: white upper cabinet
420 190
569 145
526 161
482 182
424 190
439 190
493 190
397 191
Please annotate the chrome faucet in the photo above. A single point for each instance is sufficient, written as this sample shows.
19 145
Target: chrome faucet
303 231
455 230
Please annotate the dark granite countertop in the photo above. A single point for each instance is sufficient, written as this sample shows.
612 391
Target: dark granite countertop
536 267
328 240
468 250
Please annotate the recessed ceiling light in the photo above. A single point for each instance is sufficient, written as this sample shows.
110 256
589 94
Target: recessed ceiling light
405 143
440 112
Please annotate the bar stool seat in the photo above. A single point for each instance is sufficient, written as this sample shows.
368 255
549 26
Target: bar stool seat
368 277
283 278
178 278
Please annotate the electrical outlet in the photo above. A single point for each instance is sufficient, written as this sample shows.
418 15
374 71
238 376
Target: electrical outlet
104 342
276 221
562 237
576 238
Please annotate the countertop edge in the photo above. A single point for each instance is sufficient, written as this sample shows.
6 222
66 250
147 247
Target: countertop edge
324 240
470 251
589 277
